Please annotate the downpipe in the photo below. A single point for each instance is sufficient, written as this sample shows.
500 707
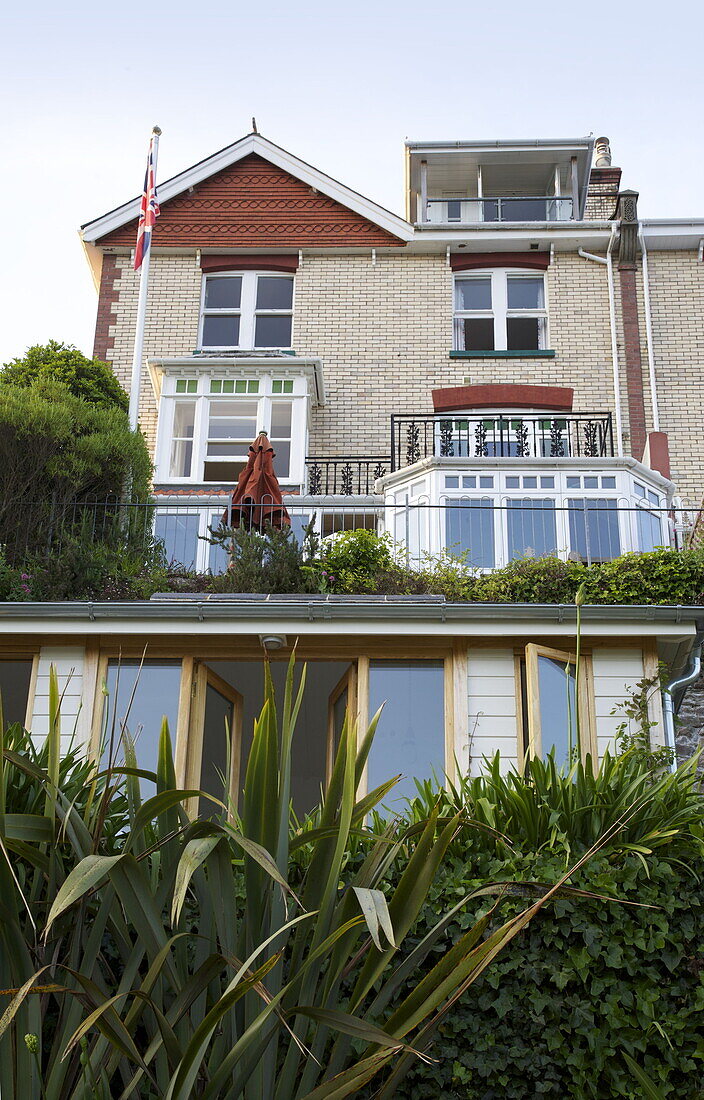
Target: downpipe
677 688
607 261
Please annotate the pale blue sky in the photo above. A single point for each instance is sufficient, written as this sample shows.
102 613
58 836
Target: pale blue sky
339 85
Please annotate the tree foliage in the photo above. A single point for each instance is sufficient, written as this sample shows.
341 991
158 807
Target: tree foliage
90 379
57 447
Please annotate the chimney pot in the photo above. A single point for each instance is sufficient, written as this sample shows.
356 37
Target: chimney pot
603 153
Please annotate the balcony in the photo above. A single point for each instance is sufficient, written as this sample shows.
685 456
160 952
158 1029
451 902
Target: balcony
503 435
478 183
462 210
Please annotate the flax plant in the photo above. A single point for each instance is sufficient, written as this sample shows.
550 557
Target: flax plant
223 958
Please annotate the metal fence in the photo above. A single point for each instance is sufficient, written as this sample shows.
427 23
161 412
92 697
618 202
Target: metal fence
488 531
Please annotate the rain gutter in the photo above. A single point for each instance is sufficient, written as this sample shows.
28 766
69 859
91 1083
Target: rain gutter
386 609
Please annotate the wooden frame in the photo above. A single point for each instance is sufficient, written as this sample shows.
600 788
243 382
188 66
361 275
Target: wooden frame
196 674
585 699
348 683
202 678
651 671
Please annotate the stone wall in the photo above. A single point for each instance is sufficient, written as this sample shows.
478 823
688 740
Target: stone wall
689 724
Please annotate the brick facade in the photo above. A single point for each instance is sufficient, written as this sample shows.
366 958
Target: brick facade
108 297
382 325
602 194
677 306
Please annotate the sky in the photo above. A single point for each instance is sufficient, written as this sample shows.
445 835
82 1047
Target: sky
341 86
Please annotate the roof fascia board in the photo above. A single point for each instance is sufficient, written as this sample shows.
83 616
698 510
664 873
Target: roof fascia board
357 615
260 146
508 145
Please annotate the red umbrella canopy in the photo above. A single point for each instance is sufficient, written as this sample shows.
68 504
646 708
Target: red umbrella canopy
257 499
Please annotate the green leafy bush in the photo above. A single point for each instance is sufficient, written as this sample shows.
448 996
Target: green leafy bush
265 561
353 560
56 446
568 810
90 379
592 979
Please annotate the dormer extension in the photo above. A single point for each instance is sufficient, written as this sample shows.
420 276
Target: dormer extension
463 184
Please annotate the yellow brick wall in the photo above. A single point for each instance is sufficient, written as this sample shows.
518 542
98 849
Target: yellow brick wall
171 326
384 333
677 305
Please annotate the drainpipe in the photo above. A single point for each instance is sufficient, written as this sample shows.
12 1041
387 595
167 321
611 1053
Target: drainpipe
614 341
649 332
678 687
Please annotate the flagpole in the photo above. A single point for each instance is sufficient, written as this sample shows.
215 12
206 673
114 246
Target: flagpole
136 381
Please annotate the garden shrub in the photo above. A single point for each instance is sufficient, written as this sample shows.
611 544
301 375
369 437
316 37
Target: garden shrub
588 979
353 560
54 445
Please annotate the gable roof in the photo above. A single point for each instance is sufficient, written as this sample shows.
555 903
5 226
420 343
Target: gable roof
253 144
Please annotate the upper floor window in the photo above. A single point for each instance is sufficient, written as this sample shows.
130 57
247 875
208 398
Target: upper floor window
500 310
246 310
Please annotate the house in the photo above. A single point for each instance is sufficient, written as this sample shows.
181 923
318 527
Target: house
510 369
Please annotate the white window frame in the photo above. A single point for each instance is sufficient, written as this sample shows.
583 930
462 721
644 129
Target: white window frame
247 311
499 311
265 398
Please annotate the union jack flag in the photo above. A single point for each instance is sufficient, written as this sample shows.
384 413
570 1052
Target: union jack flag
148 213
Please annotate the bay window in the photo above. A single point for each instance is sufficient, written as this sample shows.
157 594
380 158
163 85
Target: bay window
246 309
500 310
207 423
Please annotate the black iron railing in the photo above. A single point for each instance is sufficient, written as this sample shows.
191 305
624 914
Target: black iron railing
344 476
534 435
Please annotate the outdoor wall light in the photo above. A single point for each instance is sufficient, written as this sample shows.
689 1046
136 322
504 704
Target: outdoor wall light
273 641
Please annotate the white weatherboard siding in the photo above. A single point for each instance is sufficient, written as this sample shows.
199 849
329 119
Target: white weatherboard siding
616 671
69 664
493 711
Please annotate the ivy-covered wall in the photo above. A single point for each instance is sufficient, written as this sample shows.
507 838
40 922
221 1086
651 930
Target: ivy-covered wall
585 981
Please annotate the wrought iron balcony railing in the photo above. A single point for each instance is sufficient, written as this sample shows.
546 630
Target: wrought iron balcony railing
533 435
344 476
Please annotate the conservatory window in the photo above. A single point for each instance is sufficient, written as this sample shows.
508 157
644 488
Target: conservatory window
469 530
594 532
531 528
410 737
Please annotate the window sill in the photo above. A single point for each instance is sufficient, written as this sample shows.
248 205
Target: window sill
540 353
224 352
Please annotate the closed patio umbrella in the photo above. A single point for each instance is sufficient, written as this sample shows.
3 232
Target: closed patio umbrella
257 500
